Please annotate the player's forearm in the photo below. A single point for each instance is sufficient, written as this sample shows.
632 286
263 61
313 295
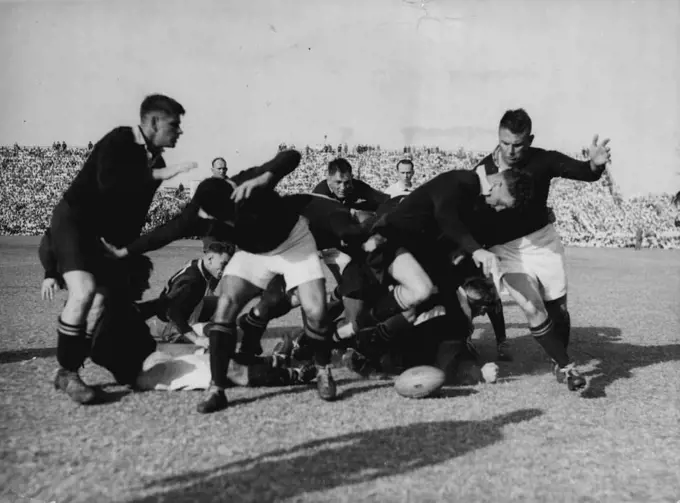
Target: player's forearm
284 163
573 169
179 227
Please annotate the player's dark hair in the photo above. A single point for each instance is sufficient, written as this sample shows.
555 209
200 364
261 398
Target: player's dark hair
339 165
217 159
212 196
405 161
516 121
219 247
520 185
675 201
160 103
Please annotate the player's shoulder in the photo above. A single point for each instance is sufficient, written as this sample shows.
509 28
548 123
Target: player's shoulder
322 188
120 134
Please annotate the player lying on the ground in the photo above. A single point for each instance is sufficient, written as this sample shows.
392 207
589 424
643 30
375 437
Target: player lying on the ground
189 296
272 238
530 250
420 343
109 197
121 342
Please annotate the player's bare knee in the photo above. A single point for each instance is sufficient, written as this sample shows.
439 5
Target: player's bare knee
315 314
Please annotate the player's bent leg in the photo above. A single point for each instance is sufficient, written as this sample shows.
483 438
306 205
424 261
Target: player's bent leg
235 294
318 331
73 347
273 303
524 290
414 286
95 312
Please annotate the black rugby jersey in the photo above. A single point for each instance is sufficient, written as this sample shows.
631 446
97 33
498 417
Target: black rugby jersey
543 165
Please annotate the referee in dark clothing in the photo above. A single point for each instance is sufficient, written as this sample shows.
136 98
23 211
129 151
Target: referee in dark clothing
109 198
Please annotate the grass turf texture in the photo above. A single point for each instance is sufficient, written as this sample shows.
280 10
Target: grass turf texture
524 439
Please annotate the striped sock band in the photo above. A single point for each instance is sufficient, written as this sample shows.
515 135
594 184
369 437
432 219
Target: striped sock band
70 330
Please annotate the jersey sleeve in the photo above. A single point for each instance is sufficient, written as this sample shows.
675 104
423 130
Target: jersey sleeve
186 224
374 197
447 215
563 166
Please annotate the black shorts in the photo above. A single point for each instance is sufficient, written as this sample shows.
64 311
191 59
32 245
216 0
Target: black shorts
77 247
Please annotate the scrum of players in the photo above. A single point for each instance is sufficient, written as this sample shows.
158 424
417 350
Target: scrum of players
414 267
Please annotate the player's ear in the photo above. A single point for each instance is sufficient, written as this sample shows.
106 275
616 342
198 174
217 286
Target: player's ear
530 140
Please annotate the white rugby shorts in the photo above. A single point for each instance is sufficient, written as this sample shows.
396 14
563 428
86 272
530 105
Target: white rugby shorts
296 259
539 255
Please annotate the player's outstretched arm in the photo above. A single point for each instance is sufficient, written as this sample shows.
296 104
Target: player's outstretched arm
172 171
591 170
266 175
183 225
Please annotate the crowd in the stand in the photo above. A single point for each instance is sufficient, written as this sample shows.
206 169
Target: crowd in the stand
34 178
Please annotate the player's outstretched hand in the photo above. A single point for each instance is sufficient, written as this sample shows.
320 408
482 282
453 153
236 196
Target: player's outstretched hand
49 286
487 261
113 251
246 189
599 153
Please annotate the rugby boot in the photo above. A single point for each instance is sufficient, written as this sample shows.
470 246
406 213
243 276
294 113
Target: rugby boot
302 350
281 354
358 363
325 384
303 375
575 381
70 383
216 401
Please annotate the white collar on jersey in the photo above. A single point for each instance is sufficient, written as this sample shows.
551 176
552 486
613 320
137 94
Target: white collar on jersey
483 180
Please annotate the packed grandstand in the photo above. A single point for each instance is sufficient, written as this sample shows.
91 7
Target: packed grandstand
34 178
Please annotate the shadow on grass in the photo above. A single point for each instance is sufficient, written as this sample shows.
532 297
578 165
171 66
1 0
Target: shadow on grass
21 355
328 463
614 358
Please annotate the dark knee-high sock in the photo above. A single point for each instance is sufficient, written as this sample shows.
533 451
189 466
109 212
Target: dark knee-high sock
388 305
546 335
73 347
320 342
222 338
562 321
253 329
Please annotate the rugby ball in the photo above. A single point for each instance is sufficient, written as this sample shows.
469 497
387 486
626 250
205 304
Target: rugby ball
420 382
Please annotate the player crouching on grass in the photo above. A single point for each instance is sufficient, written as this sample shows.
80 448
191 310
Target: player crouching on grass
272 238
189 296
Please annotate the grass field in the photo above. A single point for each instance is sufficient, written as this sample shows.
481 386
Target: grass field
525 438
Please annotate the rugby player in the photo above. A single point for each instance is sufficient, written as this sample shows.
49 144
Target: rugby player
189 296
530 250
109 197
272 238
356 195
428 227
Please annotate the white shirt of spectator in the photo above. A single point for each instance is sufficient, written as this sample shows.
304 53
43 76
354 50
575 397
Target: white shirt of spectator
398 189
